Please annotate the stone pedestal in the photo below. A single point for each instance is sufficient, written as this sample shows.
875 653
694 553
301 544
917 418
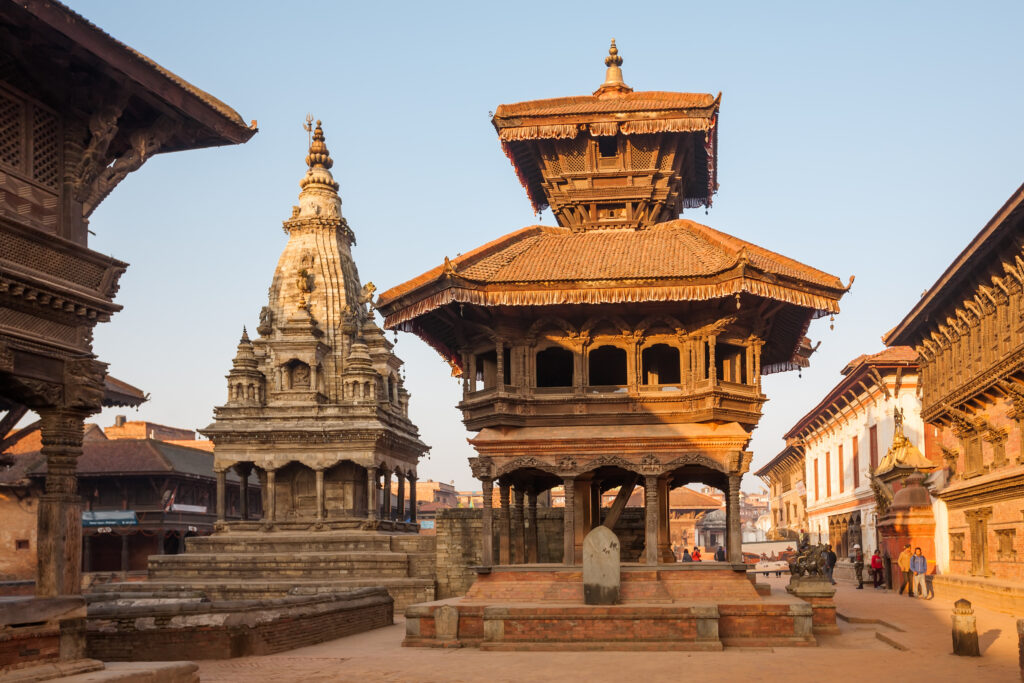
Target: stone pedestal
965 630
601 567
817 591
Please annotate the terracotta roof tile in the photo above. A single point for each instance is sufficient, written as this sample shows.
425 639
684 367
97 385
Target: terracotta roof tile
652 100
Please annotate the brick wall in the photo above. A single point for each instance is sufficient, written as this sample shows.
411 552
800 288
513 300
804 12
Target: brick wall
458 546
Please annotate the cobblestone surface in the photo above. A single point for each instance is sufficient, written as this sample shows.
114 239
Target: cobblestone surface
865 650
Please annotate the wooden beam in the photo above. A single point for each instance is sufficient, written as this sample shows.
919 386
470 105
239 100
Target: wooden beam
13 416
620 502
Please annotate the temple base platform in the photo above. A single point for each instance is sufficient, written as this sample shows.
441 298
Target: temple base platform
700 606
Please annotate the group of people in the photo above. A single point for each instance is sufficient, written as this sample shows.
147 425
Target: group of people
695 555
912 564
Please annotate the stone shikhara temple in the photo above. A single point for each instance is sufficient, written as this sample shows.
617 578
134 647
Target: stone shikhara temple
316 403
623 347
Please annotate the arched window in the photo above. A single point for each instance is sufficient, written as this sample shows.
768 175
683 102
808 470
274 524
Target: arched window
660 364
554 367
607 366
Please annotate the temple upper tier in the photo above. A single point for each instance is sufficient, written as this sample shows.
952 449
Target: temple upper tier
617 158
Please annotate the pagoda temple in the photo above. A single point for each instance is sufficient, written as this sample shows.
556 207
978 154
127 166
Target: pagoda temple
623 347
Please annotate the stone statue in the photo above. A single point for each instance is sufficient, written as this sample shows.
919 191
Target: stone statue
809 562
266 326
366 295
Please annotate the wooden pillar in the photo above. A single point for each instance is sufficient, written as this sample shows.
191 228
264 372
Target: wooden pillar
568 523
651 520
272 495
243 470
531 531
124 552
499 347
487 524
595 504
712 369
372 507
87 553
505 528
665 553
520 527
59 513
319 494
412 498
221 495
400 512
734 537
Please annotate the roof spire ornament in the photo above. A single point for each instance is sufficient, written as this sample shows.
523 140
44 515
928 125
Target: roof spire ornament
319 197
613 83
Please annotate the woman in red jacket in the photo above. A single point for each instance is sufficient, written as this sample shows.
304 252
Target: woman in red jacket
696 554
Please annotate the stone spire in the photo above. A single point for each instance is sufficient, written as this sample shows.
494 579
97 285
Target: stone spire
613 83
319 197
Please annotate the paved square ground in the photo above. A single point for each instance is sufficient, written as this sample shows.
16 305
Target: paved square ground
912 643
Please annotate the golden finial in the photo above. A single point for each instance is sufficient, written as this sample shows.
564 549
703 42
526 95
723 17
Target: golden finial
613 58
613 76
318 153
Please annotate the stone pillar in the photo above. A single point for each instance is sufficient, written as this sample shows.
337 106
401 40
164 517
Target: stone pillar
733 536
965 630
372 508
531 531
651 520
520 528
243 470
505 527
221 495
400 512
412 498
271 496
487 524
59 515
568 523
385 498
319 494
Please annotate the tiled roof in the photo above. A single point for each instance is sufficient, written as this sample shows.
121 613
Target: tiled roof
684 497
545 257
893 354
652 100
133 456
121 394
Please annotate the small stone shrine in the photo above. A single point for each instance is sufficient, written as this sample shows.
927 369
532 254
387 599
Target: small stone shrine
622 348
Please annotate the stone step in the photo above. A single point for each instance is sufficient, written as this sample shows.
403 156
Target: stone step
312 565
246 542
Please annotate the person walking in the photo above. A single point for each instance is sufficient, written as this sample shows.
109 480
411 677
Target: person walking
876 568
858 565
919 567
830 563
903 562
720 554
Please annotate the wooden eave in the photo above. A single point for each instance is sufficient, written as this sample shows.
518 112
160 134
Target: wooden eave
94 49
946 293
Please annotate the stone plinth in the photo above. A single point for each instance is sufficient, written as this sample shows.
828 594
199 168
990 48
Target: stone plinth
819 593
672 607
155 626
965 630
42 631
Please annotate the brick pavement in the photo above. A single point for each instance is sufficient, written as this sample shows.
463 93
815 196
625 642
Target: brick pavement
921 627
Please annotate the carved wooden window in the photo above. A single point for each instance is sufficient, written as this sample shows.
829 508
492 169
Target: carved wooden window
817 489
607 366
956 547
1005 538
973 458
487 369
29 140
660 364
855 452
873 446
731 363
998 450
841 469
607 147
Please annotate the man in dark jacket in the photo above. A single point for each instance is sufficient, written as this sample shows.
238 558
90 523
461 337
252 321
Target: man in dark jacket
720 554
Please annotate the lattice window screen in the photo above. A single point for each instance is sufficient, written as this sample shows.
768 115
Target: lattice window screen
574 158
45 149
12 122
643 152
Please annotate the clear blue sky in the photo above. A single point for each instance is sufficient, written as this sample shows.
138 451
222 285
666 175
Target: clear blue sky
862 138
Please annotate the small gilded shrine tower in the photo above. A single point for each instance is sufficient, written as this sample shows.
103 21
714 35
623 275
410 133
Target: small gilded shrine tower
624 346
316 403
